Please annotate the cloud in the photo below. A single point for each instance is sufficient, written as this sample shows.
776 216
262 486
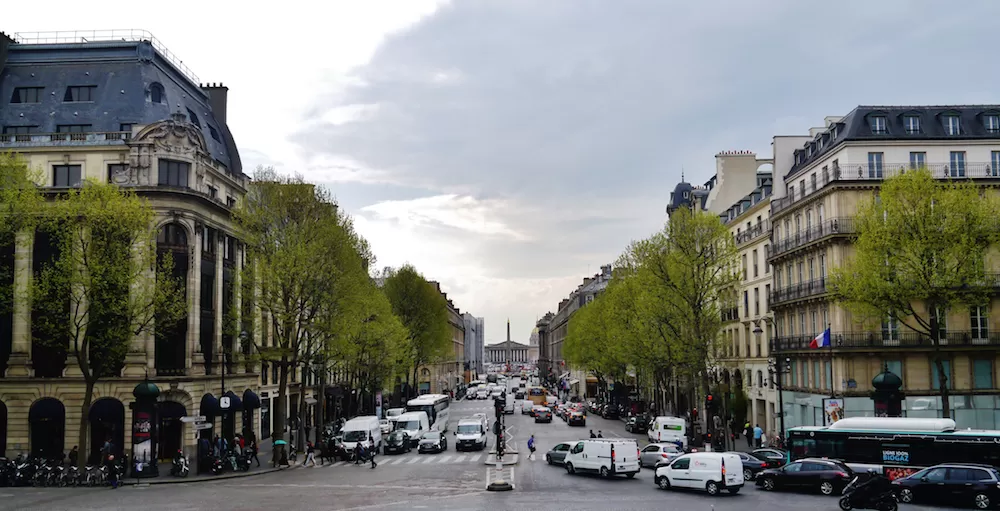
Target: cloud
546 135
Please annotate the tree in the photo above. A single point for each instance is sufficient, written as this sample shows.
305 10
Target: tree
921 249
302 257
688 267
107 273
20 202
424 313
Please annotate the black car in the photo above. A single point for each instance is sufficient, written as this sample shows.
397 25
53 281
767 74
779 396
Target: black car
397 442
576 418
752 465
542 414
826 475
951 484
637 424
519 394
433 441
775 457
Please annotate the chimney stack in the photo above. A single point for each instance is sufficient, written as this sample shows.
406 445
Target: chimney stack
218 98
5 42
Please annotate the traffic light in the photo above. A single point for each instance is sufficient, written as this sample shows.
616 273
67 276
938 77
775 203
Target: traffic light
709 402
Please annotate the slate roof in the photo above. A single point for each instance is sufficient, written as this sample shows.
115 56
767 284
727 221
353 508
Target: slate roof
857 126
122 72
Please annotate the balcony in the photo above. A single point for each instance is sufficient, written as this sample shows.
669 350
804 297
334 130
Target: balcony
103 138
761 229
866 341
875 173
730 314
798 291
844 225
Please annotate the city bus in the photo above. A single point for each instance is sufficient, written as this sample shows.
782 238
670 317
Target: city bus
537 395
896 447
436 406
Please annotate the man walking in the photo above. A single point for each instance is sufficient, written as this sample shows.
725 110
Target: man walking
748 432
592 435
310 455
757 434
531 447
371 452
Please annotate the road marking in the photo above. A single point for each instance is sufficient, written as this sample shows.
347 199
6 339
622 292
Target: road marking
444 459
429 460
414 460
460 459
474 457
396 461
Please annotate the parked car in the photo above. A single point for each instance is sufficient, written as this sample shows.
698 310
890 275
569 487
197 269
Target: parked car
557 454
752 465
637 424
658 454
397 442
433 441
712 472
967 483
826 475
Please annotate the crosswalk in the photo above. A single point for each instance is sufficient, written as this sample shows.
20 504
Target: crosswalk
415 459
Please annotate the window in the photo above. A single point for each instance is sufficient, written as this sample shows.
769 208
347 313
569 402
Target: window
957 168
79 93
174 173
74 128
19 130
822 266
777 278
995 163
117 169
214 133
816 380
820 214
813 318
878 125
952 125
756 301
812 268
213 192
942 319
895 367
890 329
767 266
992 123
744 266
193 117
828 369
918 160
27 95
156 94
788 273
809 219
231 202
979 322
680 464
127 127
66 175
912 124
767 293
755 272
746 303
935 376
982 374
875 165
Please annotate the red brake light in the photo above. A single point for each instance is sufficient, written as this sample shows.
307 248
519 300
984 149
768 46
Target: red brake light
663 454
841 474
612 454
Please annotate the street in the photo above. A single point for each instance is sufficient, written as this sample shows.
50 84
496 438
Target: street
450 480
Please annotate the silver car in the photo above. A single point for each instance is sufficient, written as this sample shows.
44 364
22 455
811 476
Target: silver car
655 453
557 455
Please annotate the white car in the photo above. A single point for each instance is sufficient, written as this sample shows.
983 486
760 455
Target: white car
386 426
708 471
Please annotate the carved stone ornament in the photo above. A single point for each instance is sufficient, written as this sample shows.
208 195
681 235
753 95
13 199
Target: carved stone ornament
123 176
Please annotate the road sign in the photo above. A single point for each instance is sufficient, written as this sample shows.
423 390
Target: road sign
198 426
193 418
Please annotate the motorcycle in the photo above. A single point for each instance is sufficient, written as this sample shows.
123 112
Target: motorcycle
883 501
217 465
180 466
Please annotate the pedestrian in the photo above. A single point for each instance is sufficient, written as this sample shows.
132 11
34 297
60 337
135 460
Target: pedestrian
112 468
757 434
592 435
371 452
74 456
599 434
357 453
531 447
748 432
310 455
253 452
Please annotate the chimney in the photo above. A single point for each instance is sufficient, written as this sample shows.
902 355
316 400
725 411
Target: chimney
508 329
606 271
5 42
218 96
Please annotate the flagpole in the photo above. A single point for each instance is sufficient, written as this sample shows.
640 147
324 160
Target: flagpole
833 392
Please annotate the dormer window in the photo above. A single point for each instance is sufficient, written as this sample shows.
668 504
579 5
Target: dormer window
27 95
912 124
992 123
193 117
80 93
878 125
215 133
156 94
952 125
833 132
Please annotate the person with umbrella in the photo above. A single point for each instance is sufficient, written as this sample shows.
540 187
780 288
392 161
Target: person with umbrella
278 456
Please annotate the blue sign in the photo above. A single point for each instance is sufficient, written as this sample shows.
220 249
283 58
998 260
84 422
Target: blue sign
895 457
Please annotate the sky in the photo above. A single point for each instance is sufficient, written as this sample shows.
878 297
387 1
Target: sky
509 148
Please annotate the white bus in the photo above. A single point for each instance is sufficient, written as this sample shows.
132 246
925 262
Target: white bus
436 406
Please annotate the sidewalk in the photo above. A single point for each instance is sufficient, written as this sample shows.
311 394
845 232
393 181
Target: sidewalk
264 453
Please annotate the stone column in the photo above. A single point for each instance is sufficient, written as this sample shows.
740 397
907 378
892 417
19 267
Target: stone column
141 355
238 367
219 312
195 361
20 356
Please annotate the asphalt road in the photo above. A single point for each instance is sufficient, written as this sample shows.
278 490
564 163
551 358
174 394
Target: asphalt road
445 481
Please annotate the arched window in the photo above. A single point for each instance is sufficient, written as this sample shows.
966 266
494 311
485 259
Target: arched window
156 94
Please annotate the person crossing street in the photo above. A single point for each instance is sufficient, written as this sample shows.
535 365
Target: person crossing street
371 452
531 447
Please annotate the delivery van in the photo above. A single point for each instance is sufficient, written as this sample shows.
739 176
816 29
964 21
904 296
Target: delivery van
415 424
711 472
668 429
363 429
605 456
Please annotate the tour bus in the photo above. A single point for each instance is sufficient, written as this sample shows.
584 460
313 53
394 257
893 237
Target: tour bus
537 395
895 446
436 406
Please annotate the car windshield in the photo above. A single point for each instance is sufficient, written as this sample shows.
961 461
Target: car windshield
431 436
468 428
394 413
397 436
408 425
670 448
356 436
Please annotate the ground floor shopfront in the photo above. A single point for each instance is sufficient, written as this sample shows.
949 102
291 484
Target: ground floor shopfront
968 411
42 417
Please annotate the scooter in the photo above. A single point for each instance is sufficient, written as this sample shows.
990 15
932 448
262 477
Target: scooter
180 466
885 501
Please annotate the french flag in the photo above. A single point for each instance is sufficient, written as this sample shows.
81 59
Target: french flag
820 341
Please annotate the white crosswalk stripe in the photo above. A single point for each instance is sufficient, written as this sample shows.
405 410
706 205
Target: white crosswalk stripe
416 459
429 460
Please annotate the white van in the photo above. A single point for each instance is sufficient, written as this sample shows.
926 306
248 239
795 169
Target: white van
606 456
471 433
363 429
415 424
709 471
393 413
668 429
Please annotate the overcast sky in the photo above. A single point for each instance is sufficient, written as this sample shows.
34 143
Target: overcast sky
509 148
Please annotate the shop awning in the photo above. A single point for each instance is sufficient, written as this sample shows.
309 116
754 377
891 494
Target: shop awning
209 406
574 381
591 379
250 400
311 401
564 375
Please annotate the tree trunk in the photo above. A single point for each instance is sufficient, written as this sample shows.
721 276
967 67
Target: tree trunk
943 383
301 436
281 404
84 438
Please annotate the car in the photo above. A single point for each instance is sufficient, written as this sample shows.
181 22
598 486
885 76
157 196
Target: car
711 472
576 418
970 483
777 457
752 465
557 454
482 393
637 424
385 425
526 407
432 441
826 475
397 442
658 454
606 456
541 414
519 394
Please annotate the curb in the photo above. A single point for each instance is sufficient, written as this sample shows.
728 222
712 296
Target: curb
509 460
183 480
